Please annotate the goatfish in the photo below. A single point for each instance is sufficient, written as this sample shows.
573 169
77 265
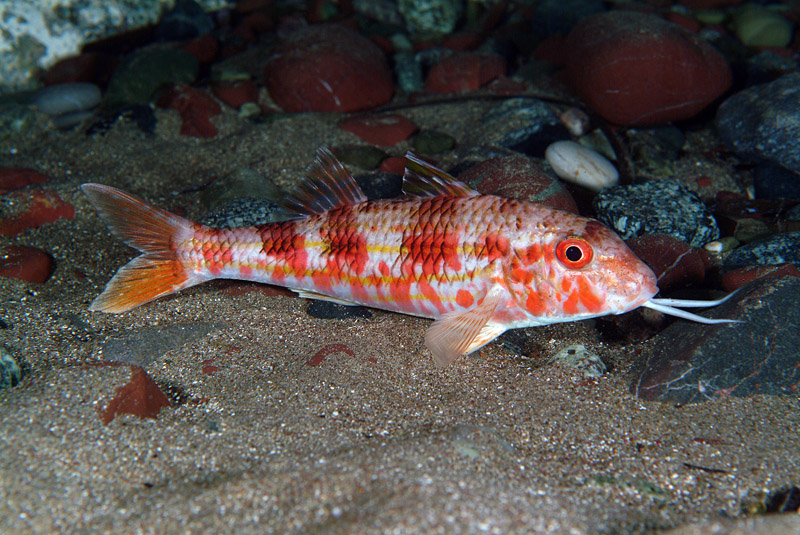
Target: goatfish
476 264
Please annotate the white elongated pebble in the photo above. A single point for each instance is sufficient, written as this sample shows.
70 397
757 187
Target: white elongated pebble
67 98
576 164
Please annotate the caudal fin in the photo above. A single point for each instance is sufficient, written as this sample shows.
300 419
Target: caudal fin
158 271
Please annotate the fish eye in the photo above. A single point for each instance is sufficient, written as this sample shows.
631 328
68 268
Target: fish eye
574 252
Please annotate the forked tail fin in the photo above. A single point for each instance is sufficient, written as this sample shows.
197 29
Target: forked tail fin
158 271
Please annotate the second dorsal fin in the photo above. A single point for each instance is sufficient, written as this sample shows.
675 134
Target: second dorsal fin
327 185
422 179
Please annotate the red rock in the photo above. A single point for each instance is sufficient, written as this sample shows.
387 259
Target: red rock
204 48
328 68
234 94
94 67
687 22
32 209
195 107
506 86
12 178
518 177
675 262
393 164
383 130
140 397
733 280
26 263
466 71
462 41
638 69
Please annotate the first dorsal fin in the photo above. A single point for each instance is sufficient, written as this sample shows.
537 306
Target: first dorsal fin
422 179
327 185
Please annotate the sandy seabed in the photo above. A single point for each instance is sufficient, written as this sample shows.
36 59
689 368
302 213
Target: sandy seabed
380 441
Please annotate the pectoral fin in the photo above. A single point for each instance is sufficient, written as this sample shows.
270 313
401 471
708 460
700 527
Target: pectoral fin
460 333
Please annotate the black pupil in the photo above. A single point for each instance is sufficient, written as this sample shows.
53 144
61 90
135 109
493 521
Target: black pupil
574 253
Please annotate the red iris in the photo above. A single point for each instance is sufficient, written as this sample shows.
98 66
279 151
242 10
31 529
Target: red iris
574 252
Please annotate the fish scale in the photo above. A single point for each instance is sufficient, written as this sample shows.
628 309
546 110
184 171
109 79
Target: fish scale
477 264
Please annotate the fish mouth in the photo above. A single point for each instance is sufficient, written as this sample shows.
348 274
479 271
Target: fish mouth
668 306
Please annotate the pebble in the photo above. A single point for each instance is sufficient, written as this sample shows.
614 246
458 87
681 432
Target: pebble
464 71
235 93
637 69
140 397
26 263
675 262
383 129
328 68
523 125
26 209
518 177
656 207
408 71
12 178
758 26
62 99
10 370
433 142
195 106
763 122
430 17
579 358
692 363
140 77
383 185
579 165
774 250
361 156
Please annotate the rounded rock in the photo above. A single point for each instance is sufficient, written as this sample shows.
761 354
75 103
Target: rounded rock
328 68
466 71
637 69
65 98
579 165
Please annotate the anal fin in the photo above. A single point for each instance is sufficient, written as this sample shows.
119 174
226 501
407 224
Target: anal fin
460 333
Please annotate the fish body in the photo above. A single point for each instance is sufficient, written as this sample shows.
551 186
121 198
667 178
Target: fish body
477 264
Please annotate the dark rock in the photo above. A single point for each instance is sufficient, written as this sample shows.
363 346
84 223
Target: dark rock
772 181
140 77
559 17
777 249
692 362
328 310
524 125
656 207
433 142
763 122
243 212
362 156
186 20
381 185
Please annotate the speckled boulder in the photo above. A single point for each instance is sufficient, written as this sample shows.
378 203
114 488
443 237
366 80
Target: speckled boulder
656 207
328 68
763 122
777 249
638 69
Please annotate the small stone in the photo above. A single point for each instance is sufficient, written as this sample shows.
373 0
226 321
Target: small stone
362 156
235 93
12 178
581 359
518 177
381 185
195 107
466 71
433 142
32 208
10 370
576 121
59 99
778 249
430 17
675 262
578 165
733 280
140 397
383 130
140 77
393 164
26 263
656 207
759 26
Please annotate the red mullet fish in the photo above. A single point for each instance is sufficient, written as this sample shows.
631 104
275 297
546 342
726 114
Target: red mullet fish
477 264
